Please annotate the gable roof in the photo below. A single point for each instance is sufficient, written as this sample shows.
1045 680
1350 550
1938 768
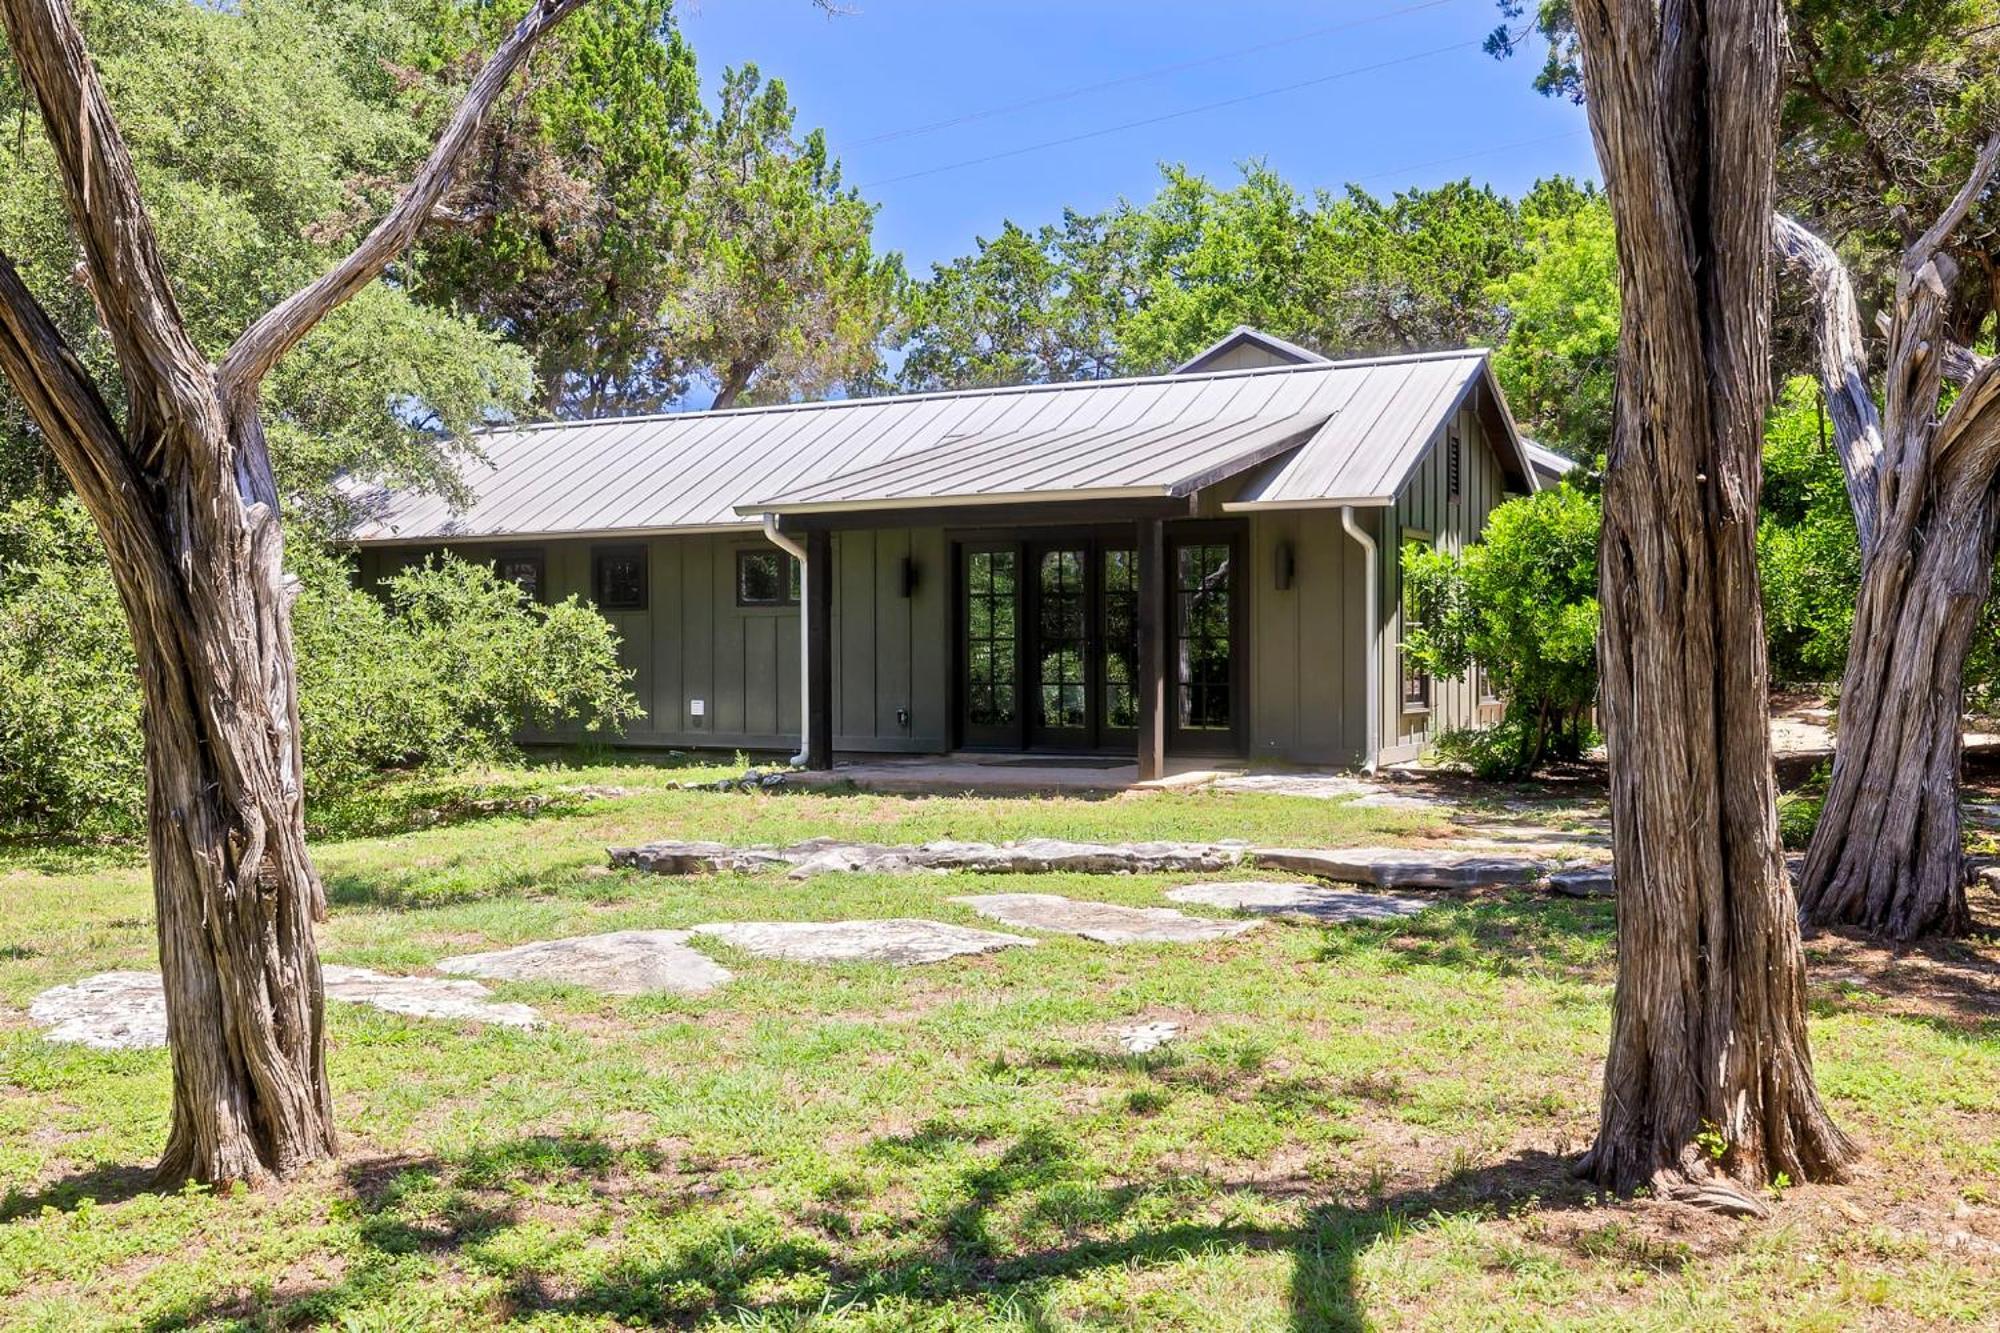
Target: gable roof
1155 436
1271 345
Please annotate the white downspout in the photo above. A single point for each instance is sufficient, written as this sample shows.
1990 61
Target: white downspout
797 551
1371 563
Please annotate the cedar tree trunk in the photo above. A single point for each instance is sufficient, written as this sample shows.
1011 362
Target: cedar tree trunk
1708 1087
183 496
1887 854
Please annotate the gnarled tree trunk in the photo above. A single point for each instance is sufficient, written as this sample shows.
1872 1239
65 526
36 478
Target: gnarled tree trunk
183 496
1888 854
1708 1087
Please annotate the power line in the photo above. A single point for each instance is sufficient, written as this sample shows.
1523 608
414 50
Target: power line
1082 90
1203 109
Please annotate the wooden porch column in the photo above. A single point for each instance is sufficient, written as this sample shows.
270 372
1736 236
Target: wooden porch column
818 579
1152 680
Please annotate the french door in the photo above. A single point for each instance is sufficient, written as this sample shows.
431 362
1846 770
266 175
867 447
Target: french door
1048 644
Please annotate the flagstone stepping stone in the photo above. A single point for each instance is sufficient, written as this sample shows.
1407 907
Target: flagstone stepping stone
127 1011
1142 1038
1306 902
1583 882
623 962
1403 867
901 941
1107 923
1359 792
1032 856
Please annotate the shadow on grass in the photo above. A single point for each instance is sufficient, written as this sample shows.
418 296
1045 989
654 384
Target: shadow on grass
1514 934
99 1185
430 1221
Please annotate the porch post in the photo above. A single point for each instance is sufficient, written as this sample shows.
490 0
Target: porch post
818 580
1152 664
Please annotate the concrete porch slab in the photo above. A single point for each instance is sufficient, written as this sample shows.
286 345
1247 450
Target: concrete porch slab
1004 774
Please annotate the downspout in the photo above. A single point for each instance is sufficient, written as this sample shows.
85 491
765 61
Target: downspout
792 547
1371 563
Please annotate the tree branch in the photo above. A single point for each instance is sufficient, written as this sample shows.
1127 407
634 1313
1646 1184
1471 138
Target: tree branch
1922 254
162 368
1843 368
60 395
280 328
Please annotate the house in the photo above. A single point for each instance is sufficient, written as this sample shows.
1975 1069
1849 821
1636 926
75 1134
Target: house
1203 563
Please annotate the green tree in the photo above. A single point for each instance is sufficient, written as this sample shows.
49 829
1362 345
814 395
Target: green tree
265 137
1806 543
1522 604
566 233
1558 359
781 292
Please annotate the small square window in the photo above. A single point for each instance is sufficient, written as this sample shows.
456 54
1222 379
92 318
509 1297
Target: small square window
619 576
526 570
766 578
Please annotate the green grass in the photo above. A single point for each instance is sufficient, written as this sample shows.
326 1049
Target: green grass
1364 1125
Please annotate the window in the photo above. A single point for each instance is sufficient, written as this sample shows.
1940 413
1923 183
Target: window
1118 610
618 573
526 570
1454 463
1202 632
1488 696
766 578
990 638
1416 683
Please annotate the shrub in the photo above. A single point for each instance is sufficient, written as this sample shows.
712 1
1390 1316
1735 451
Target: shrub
444 669
1522 603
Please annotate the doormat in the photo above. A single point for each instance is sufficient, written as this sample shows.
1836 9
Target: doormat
1059 761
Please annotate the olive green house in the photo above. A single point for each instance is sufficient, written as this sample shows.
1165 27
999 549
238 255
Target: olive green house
1203 563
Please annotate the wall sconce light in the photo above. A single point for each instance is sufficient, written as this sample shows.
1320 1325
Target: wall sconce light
909 576
1287 567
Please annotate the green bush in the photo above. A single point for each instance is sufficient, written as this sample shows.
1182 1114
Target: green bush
444 669
1522 603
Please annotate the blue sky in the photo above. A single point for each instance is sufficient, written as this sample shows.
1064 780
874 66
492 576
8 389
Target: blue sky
1400 94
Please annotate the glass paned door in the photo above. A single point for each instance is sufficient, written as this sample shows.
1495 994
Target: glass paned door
1207 710
1061 656
1118 643
992 646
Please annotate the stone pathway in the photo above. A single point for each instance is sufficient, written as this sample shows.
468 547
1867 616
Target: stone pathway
902 941
1403 867
1106 923
1303 902
1033 856
1362 793
127 1011
624 962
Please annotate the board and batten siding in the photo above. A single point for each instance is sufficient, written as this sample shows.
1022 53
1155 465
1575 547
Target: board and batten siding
1308 662
692 642
1424 509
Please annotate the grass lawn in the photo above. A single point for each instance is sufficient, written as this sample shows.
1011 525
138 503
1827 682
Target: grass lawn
1362 1125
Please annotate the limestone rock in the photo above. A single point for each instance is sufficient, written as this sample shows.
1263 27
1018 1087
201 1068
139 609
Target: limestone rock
1107 923
127 1011
1033 856
624 962
1142 1038
697 858
1593 881
1402 867
902 941
1304 902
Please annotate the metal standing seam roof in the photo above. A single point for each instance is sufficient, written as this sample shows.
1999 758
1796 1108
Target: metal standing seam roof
1160 435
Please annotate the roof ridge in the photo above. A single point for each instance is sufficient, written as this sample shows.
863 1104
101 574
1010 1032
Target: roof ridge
994 390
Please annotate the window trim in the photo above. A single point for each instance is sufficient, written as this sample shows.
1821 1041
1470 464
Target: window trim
600 556
791 576
539 556
1412 705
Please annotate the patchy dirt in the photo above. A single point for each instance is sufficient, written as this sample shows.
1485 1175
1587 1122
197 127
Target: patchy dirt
1952 981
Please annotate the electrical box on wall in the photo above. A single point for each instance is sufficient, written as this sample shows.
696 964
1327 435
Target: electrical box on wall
697 708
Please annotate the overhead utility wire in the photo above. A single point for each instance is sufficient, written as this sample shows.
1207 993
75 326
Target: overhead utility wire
1170 115
1082 90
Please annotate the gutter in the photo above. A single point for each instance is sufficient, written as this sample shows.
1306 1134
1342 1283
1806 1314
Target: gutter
797 551
1372 563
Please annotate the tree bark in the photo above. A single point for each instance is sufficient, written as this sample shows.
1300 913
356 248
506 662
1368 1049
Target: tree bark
183 496
1888 852
1708 1085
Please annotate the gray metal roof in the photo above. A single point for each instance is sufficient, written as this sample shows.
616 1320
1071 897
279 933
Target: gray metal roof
1367 450
1548 464
1243 335
1162 435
